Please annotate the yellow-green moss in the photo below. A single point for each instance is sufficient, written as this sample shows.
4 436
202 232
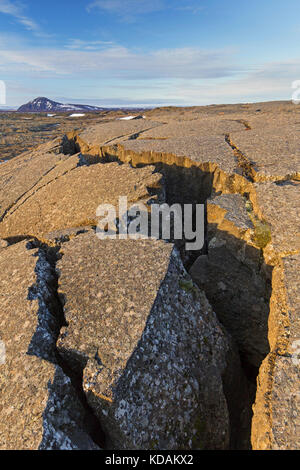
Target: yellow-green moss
262 234
188 286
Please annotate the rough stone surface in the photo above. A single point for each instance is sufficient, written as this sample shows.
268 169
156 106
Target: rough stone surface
273 152
39 407
244 160
229 209
102 134
278 204
203 149
20 175
72 199
154 352
276 422
3 244
205 126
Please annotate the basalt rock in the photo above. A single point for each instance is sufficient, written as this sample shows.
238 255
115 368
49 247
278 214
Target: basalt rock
70 198
276 423
152 350
39 406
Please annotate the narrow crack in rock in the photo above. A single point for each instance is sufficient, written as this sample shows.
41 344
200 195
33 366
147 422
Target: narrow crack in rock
22 195
67 404
233 256
31 193
243 163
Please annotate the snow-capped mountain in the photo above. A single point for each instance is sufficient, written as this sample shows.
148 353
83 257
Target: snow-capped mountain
44 105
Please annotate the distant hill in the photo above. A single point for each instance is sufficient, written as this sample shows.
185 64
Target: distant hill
45 105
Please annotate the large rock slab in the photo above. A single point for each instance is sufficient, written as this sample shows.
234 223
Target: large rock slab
39 406
228 214
277 203
21 174
102 134
276 422
151 347
275 112
273 151
206 126
209 149
72 198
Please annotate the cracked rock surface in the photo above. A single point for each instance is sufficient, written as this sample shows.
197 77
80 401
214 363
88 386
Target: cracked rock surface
38 404
160 366
276 422
71 199
115 130
153 354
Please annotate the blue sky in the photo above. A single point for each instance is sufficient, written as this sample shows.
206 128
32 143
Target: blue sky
149 52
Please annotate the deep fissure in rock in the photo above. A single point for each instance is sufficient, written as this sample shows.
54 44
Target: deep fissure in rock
242 306
248 288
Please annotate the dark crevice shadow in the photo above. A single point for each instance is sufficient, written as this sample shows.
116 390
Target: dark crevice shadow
237 284
50 314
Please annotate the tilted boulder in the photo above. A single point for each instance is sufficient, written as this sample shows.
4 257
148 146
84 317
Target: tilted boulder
152 351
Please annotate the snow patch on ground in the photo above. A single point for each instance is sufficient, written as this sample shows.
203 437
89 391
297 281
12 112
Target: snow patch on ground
129 118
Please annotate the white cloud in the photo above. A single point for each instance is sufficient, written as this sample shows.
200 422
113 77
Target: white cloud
6 6
116 73
270 81
128 7
129 10
113 61
79 44
9 8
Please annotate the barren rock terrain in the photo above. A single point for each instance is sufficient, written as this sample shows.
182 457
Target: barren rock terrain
20 132
142 344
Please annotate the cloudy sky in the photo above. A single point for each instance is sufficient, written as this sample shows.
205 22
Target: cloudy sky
149 52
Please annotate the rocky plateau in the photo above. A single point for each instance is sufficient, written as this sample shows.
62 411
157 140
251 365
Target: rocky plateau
141 344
